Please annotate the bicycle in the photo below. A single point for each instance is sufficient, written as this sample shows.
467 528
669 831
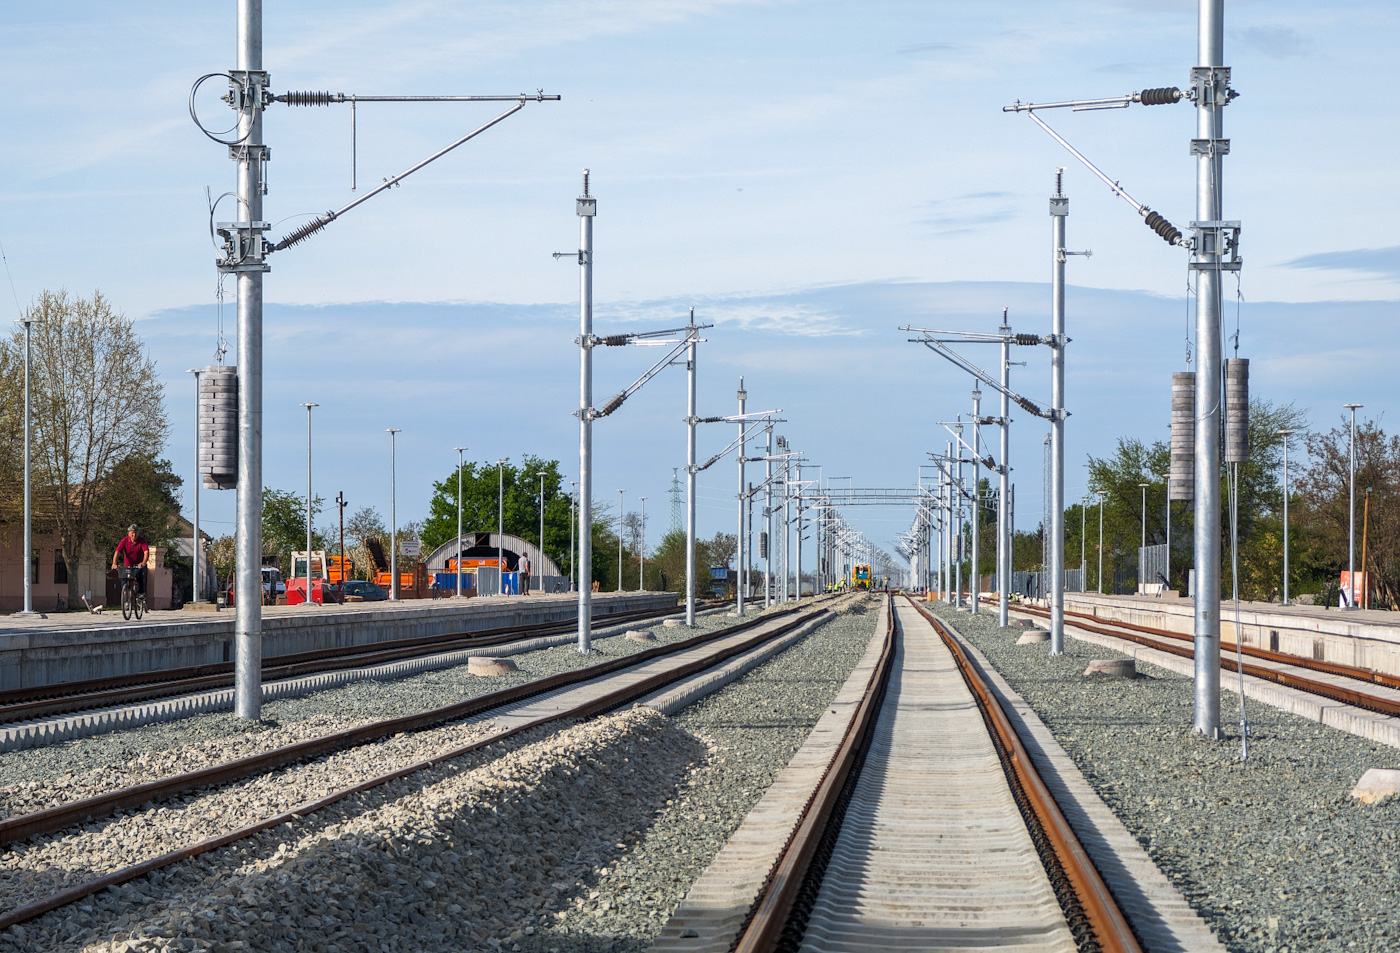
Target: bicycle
133 602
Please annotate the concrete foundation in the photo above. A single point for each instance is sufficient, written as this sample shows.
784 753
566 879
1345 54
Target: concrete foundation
76 646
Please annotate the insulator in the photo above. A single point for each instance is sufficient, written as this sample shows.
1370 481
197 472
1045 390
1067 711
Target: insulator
1029 405
218 427
1161 96
303 97
1182 475
1169 232
612 405
614 340
1236 410
304 232
1027 338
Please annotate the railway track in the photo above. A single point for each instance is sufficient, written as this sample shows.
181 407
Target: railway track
63 698
1277 667
580 694
924 826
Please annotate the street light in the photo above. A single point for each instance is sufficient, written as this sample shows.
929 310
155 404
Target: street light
1285 434
1142 552
1083 547
1351 522
28 562
1100 544
620 494
393 433
306 601
460 451
194 595
500 527
542 474
642 553
572 495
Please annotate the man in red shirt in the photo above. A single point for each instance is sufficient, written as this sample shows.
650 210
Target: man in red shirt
132 551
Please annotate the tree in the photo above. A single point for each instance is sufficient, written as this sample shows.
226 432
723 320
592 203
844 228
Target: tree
722 549
139 490
97 401
284 525
480 504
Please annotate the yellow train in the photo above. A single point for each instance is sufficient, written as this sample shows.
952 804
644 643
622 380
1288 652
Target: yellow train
860 577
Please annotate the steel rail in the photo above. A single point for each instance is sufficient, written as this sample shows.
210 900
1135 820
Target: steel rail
1382 706
1100 910
67 815
80 695
609 701
773 909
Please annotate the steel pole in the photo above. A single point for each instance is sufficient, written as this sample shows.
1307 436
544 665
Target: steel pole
1285 434
27 561
393 513
1059 211
691 420
620 513
500 527
459 520
587 208
1351 516
1210 55
787 523
1100 545
540 573
1004 541
797 594
739 584
307 594
976 580
573 496
194 559
642 551
250 156
768 520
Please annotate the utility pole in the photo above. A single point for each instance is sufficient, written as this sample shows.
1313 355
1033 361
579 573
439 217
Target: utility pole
691 421
28 561
621 513
460 450
1285 434
308 406
1004 540
540 573
976 495
768 520
739 585
587 208
393 512
1211 80
1059 211
340 503
194 485
250 154
642 551
798 506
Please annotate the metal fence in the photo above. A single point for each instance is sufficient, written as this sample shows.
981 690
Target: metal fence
1036 585
1152 565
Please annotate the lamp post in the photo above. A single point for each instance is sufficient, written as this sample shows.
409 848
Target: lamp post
28 562
1365 530
1142 552
1100 544
1351 519
1083 546
572 485
542 474
620 494
393 433
306 601
194 558
642 550
460 451
500 527
1285 434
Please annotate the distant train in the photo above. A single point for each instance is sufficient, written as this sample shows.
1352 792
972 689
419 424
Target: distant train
860 577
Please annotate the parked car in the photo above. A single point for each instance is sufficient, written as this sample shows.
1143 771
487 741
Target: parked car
366 590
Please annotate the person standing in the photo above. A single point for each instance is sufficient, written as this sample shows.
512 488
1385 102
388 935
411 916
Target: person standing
522 568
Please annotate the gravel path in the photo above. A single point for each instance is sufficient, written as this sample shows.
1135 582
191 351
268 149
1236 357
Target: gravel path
1272 852
580 840
37 778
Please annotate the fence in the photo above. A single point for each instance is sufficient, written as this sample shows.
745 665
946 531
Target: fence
1036 585
1152 565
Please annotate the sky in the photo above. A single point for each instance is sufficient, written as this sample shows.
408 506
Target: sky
808 176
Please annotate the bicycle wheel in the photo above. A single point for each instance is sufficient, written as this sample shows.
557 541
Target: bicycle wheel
139 605
127 601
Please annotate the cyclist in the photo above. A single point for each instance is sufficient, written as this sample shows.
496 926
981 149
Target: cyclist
132 551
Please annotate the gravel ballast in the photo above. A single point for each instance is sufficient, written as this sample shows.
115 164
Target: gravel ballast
579 840
1272 852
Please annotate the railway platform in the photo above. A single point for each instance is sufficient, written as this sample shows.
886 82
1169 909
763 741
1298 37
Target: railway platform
1365 638
73 646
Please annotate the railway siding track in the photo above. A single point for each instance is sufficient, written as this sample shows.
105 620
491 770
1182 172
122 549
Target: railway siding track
1314 690
541 703
899 874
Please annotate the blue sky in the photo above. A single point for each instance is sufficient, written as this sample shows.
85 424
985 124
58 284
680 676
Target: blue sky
808 175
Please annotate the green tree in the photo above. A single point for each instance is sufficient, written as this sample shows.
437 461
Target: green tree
284 526
138 490
521 507
97 401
